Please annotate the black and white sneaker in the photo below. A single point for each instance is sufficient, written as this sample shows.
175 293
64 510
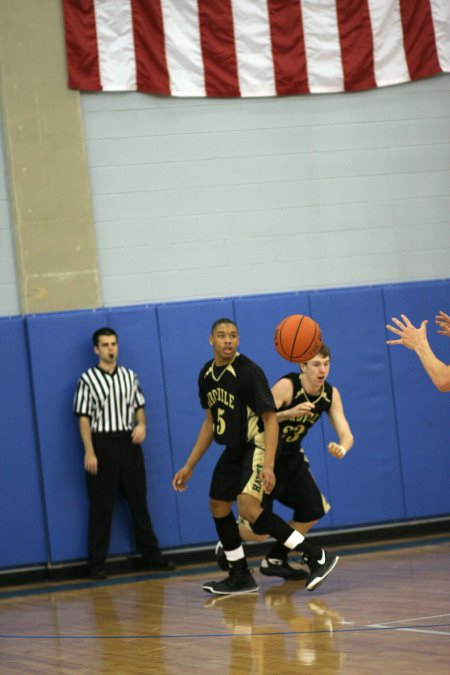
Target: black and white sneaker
274 567
320 569
237 582
221 558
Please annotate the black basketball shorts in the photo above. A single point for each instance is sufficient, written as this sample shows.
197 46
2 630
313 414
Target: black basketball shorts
297 488
238 471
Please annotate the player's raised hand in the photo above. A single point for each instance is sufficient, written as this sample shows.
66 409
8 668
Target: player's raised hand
443 321
408 335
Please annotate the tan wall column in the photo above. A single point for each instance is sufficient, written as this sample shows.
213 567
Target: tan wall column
47 168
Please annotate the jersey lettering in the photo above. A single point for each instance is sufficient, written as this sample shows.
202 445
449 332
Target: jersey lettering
292 432
236 397
257 483
221 395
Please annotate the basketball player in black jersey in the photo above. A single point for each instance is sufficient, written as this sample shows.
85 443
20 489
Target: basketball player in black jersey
301 398
240 413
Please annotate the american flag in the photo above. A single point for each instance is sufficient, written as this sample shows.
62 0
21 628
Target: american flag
247 48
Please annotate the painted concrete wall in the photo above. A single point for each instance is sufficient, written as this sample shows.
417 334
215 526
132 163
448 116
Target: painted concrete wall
198 199
209 198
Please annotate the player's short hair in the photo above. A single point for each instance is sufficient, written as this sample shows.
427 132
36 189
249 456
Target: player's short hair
224 319
325 351
102 331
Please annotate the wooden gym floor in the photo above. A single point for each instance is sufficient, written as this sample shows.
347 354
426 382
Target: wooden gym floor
385 609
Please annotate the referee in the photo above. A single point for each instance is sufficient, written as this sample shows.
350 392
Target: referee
109 404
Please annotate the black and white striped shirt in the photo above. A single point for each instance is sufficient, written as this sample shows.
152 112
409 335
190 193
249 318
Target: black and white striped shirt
110 400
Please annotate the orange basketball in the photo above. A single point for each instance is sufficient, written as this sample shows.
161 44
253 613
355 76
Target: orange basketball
298 338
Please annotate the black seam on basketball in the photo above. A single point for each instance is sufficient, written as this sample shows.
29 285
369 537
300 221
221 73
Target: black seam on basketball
295 338
305 351
313 346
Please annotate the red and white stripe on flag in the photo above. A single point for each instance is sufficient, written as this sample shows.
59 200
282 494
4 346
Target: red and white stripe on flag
253 47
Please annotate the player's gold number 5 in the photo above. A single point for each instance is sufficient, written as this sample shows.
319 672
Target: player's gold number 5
220 422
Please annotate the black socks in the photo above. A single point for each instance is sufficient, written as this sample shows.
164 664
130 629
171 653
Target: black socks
228 532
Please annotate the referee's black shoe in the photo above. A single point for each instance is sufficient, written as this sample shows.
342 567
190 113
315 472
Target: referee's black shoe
97 573
157 563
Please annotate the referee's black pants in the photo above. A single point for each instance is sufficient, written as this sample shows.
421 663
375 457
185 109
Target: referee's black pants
120 467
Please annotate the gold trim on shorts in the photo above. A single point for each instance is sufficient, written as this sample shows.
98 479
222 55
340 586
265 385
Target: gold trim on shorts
254 485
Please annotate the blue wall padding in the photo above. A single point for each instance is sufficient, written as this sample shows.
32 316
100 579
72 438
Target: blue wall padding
139 349
184 331
366 486
22 522
422 412
397 470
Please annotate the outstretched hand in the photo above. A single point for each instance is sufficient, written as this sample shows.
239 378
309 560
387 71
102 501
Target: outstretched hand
443 321
408 335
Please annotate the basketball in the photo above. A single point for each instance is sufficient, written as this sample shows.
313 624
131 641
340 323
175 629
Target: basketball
298 338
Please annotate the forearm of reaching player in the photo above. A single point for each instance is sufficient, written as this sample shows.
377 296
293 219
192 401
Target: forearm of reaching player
437 370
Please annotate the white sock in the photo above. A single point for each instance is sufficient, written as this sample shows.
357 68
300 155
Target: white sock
235 554
294 540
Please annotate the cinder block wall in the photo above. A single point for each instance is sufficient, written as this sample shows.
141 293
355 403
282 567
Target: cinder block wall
197 198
